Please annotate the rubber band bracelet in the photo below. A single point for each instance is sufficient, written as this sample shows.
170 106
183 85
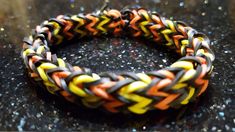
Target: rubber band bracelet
171 87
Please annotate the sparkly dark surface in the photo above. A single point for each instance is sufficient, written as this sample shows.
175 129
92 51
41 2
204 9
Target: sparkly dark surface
23 106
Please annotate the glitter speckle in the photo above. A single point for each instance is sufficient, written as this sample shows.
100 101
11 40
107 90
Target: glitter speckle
227 127
38 115
2 29
181 4
205 1
220 8
221 114
213 128
144 127
227 101
164 60
82 8
21 125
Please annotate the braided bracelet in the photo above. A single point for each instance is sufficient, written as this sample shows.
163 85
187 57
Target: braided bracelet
170 87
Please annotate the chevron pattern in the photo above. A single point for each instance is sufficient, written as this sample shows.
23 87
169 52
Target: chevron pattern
171 87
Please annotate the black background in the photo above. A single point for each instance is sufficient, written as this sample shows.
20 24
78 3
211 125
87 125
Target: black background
25 106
